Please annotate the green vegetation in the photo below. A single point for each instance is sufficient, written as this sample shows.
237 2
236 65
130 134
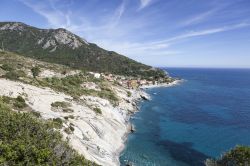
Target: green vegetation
15 74
97 110
57 123
239 156
69 117
17 103
129 94
36 114
60 104
68 110
26 140
70 129
88 56
7 67
35 71
72 85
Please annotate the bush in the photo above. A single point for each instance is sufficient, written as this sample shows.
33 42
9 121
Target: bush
6 67
69 117
68 110
19 103
35 71
57 123
25 140
6 99
98 110
69 130
36 114
239 156
15 75
129 94
60 104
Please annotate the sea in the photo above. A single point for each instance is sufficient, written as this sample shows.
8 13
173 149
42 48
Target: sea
183 125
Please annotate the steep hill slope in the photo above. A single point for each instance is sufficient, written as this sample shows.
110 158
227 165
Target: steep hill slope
63 47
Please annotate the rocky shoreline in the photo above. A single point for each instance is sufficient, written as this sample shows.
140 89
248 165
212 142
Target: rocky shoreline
99 138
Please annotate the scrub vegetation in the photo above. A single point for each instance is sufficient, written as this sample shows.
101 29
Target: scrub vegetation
27 140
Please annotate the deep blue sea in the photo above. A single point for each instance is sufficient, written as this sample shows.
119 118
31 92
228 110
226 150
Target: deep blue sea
204 116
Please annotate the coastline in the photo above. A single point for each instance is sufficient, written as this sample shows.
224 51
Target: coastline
175 82
143 96
99 138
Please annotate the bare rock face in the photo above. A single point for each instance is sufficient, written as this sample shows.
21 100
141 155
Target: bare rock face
59 36
13 27
49 43
63 36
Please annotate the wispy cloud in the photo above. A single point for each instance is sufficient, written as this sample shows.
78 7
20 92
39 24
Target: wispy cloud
55 17
144 3
120 30
118 13
163 47
192 34
199 18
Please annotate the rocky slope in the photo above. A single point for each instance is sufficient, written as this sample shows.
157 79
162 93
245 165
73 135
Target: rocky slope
93 125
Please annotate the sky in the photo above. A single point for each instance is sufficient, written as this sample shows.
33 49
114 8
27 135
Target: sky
161 33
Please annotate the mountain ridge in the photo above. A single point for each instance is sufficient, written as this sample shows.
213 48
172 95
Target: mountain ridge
63 47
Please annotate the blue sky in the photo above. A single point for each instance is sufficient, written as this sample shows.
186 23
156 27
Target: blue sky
172 33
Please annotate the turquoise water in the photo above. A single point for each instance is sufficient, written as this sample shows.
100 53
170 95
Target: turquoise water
204 116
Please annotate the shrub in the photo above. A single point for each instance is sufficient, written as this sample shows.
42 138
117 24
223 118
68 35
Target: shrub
19 102
239 156
69 117
60 104
20 99
57 123
36 114
69 130
97 110
35 71
68 110
129 94
6 99
25 140
6 67
15 75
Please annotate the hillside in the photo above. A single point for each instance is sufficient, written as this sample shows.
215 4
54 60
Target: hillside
27 140
88 114
63 47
